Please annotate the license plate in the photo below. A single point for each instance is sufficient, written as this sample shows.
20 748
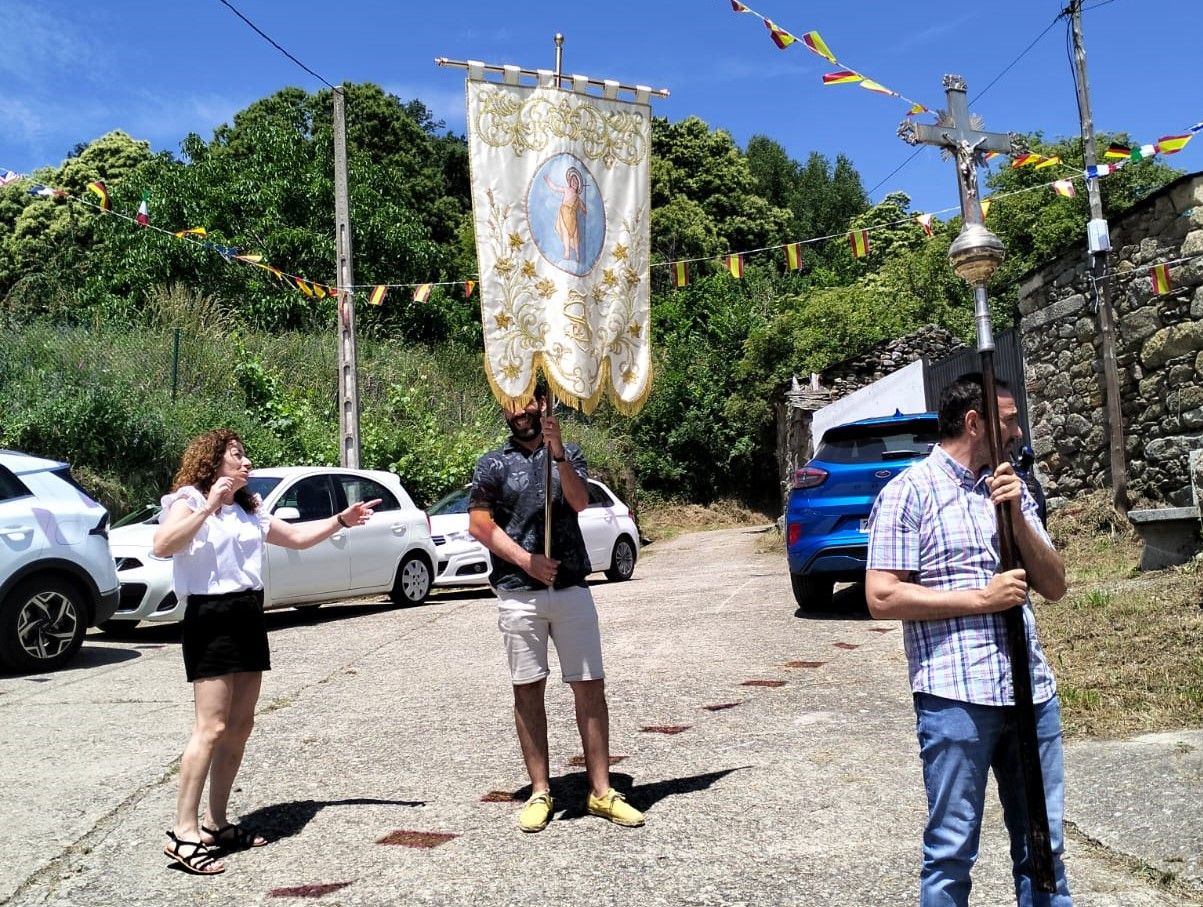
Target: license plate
864 525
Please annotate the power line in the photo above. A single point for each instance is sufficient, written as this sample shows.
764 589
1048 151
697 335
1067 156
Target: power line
270 41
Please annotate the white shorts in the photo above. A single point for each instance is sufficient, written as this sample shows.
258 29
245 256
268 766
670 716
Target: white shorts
528 618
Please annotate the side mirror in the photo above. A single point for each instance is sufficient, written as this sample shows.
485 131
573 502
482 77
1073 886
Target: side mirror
287 514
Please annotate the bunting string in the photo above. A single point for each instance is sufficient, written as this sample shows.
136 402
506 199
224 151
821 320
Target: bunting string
845 75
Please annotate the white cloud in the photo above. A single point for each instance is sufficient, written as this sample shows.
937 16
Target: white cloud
47 44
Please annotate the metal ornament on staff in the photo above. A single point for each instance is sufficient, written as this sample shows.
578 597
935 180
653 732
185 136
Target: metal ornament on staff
975 255
561 210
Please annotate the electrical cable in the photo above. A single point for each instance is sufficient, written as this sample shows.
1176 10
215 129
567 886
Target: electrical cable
270 41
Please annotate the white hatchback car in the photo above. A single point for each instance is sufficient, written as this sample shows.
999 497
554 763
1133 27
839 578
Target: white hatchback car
56 571
610 533
390 554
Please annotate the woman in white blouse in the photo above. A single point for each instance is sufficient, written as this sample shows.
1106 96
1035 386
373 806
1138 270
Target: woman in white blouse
213 530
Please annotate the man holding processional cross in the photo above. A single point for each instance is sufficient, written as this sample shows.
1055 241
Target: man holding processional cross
561 201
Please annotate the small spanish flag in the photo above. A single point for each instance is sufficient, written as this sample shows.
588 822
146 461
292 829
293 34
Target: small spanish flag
1048 162
304 287
924 221
860 242
191 231
842 77
1117 152
250 258
1160 277
102 191
876 86
734 264
793 256
919 108
1025 160
985 207
780 36
1172 144
812 40
422 293
680 273
469 286
1064 188
377 295
270 269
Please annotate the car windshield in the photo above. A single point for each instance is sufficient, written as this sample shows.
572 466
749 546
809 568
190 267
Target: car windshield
262 485
878 443
452 502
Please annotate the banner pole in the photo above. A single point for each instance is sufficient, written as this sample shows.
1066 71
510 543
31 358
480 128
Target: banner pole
551 394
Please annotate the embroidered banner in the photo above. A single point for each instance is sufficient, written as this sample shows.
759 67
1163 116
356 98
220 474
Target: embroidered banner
560 204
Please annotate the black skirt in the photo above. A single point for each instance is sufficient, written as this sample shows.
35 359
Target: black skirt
225 634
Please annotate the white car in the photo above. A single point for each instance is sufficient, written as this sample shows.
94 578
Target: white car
56 571
609 530
390 554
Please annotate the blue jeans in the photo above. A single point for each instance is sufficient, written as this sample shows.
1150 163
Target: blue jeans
959 742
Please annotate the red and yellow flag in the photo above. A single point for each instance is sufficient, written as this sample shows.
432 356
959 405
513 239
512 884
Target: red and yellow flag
985 207
272 270
318 290
924 221
734 264
812 40
1172 144
469 286
793 256
842 77
870 85
860 242
680 273
376 297
102 192
304 287
1048 162
1026 160
919 108
739 7
422 293
191 231
1160 277
780 36
1065 188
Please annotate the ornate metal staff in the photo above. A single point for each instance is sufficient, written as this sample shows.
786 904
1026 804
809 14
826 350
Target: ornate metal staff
974 255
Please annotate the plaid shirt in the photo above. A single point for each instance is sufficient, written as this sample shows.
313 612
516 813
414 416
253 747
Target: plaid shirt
935 522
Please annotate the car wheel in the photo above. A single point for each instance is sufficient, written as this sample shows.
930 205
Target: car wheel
42 624
622 562
412 584
812 593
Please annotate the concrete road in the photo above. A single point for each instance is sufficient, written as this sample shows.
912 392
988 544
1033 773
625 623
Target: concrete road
774 756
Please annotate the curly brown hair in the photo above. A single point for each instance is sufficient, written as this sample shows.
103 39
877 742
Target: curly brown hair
201 460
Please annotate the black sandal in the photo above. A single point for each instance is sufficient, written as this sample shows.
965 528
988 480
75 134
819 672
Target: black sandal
234 837
199 862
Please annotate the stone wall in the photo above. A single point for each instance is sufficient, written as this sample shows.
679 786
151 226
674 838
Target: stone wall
1159 355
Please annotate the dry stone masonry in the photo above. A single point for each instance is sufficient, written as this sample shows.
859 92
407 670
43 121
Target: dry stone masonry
1159 355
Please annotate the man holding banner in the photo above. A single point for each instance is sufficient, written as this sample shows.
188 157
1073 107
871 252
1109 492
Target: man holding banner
542 597
560 201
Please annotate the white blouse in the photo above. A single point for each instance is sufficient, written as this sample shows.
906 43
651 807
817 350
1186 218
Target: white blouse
225 555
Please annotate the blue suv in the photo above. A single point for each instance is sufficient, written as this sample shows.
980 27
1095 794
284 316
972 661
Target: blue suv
827 518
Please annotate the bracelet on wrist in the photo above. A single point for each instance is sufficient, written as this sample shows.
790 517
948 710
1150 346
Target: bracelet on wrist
341 521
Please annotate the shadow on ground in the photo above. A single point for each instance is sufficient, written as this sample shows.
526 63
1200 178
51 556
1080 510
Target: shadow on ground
283 820
846 604
569 790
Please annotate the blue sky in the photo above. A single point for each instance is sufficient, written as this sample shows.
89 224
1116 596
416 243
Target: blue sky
160 69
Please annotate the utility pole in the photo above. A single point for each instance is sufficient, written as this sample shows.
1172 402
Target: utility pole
348 384
1099 245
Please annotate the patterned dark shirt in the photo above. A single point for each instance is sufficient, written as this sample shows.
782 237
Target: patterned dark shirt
509 482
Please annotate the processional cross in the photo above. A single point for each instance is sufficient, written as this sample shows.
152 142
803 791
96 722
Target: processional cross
974 255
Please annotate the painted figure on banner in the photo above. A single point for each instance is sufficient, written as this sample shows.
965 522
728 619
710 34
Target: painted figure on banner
566 215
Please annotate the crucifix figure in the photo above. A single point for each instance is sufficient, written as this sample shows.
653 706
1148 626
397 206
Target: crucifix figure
974 255
960 135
